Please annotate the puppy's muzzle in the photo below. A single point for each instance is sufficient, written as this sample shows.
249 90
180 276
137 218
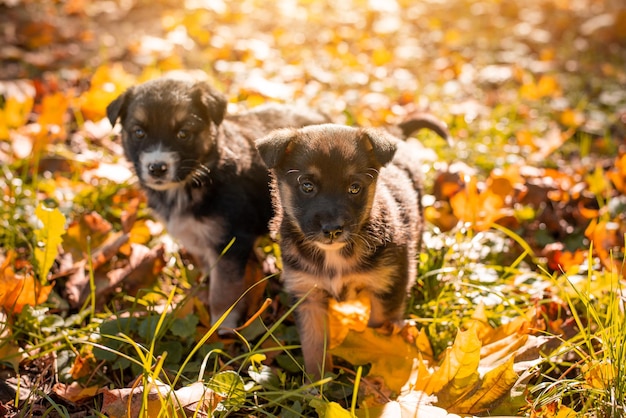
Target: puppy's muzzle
158 169
332 231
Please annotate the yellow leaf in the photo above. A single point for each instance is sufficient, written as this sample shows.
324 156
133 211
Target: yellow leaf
420 375
597 181
480 323
391 357
48 238
346 316
19 97
108 82
459 369
326 409
495 385
15 112
423 344
599 374
140 233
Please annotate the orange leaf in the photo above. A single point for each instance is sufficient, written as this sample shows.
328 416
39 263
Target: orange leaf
618 174
17 291
82 365
53 110
480 208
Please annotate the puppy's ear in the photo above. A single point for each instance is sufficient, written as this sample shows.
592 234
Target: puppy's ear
117 108
214 101
382 144
275 145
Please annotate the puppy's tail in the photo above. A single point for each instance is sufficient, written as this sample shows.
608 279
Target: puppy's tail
419 120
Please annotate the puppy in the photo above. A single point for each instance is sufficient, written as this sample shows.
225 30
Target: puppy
348 213
202 174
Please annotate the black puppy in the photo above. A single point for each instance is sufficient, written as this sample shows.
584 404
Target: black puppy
348 214
202 174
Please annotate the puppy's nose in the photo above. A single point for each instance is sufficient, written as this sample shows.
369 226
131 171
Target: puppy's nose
157 169
332 231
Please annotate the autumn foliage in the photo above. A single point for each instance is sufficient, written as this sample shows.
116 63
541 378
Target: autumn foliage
519 306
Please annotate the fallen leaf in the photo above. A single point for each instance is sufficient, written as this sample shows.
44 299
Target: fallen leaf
129 402
494 387
74 392
327 409
19 290
346 316
83 365
108 82
48 238
391 356
458 371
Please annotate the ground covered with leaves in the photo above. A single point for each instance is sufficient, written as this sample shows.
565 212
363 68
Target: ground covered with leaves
519 307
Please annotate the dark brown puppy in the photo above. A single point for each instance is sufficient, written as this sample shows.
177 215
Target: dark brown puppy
349 220
202 174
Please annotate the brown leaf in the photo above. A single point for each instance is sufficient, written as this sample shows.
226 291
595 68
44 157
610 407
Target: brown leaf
74 392
143 266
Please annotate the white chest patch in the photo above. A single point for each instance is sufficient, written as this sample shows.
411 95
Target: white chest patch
345 284
198 236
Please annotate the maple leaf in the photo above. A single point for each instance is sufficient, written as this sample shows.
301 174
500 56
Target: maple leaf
494 386
391 356
459 370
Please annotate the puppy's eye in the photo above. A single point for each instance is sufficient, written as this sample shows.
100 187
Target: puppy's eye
183 135
139 133
354 188
307 187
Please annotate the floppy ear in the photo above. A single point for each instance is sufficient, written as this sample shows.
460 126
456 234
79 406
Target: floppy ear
214 101
382 144
274 146
117 108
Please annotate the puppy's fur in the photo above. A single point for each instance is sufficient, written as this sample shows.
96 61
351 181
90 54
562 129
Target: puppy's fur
348 213
202 174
